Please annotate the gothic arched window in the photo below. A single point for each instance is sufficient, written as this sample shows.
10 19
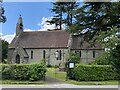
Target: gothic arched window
31 54
44 54
93 54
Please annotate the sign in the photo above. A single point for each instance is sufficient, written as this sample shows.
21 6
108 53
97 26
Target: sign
71 65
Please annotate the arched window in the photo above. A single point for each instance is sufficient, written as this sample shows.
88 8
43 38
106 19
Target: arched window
93 54
44 54
80 53
57 55
60 55
17 59
31 54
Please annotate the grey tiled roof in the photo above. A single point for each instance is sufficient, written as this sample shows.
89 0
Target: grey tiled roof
50 39
79 43
42 39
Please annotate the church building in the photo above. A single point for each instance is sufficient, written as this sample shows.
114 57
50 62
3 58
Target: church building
52 45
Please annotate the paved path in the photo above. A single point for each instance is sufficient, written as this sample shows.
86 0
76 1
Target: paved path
50 80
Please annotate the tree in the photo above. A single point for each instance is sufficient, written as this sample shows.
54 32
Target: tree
63 13
69 8
4 50
58 9
94 17
109 39
2 17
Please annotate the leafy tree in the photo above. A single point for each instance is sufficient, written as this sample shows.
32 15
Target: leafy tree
63 13
115 59
2 17
109 39
4 50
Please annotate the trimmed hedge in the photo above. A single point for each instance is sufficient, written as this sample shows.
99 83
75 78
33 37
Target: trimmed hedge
32 72
92 73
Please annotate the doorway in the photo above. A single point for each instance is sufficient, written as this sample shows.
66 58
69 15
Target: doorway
17 59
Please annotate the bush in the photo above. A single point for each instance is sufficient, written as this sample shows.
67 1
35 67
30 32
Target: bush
92 73
20 72
5 72
74 57
36 72
23 72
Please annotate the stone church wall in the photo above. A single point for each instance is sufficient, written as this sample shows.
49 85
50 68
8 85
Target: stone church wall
87 55
49 55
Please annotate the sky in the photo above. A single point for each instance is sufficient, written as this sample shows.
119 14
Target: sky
34 15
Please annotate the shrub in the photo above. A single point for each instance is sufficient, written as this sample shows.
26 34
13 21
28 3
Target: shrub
36 72
20 72
23 71
5 72
74 57
92 73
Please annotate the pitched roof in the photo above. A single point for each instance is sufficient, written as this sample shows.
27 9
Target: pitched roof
42 39
77 43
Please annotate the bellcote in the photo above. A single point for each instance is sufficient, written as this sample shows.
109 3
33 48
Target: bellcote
19 26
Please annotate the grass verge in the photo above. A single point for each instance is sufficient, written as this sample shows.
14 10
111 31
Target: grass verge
114 82
21 82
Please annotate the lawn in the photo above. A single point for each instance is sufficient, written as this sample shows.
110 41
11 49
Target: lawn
54 73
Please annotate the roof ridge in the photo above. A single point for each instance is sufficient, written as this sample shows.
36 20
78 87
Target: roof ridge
47 31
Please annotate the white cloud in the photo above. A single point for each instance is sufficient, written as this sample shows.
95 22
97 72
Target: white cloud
45 25
8 38
28 30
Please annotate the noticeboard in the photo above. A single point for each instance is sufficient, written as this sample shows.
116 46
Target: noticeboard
71 65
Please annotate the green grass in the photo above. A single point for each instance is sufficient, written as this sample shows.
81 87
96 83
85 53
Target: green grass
21 82
93 82
53 72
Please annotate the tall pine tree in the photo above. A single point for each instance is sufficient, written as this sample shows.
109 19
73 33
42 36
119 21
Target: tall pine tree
69 8
94 17
63 13
58 9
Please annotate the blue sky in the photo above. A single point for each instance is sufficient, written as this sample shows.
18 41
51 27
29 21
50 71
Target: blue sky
32 14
